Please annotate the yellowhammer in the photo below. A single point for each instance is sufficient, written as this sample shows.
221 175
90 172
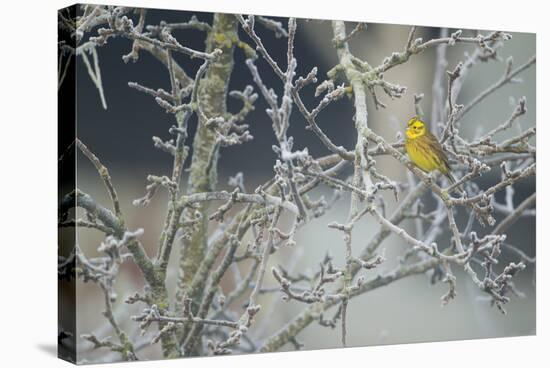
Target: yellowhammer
424 149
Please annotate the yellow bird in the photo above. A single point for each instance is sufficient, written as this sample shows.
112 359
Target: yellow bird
424 149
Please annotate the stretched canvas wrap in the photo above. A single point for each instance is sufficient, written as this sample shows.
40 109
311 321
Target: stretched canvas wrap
236 184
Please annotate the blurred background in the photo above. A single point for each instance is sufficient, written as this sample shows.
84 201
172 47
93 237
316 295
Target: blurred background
405 311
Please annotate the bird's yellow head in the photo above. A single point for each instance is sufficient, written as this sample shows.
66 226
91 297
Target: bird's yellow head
415 128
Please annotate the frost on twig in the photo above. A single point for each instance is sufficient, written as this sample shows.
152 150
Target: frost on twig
276 27
104 273
94 72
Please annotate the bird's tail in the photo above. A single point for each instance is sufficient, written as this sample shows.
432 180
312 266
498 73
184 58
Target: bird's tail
452 180
450 177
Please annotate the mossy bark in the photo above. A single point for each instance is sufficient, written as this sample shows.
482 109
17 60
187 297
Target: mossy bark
212 96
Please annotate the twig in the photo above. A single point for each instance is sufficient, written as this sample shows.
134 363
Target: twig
103 173
515 215
95 73
508 76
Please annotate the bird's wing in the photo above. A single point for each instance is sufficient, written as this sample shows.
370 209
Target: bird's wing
440 153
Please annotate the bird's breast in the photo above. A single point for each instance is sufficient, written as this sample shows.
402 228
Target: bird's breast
419 154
